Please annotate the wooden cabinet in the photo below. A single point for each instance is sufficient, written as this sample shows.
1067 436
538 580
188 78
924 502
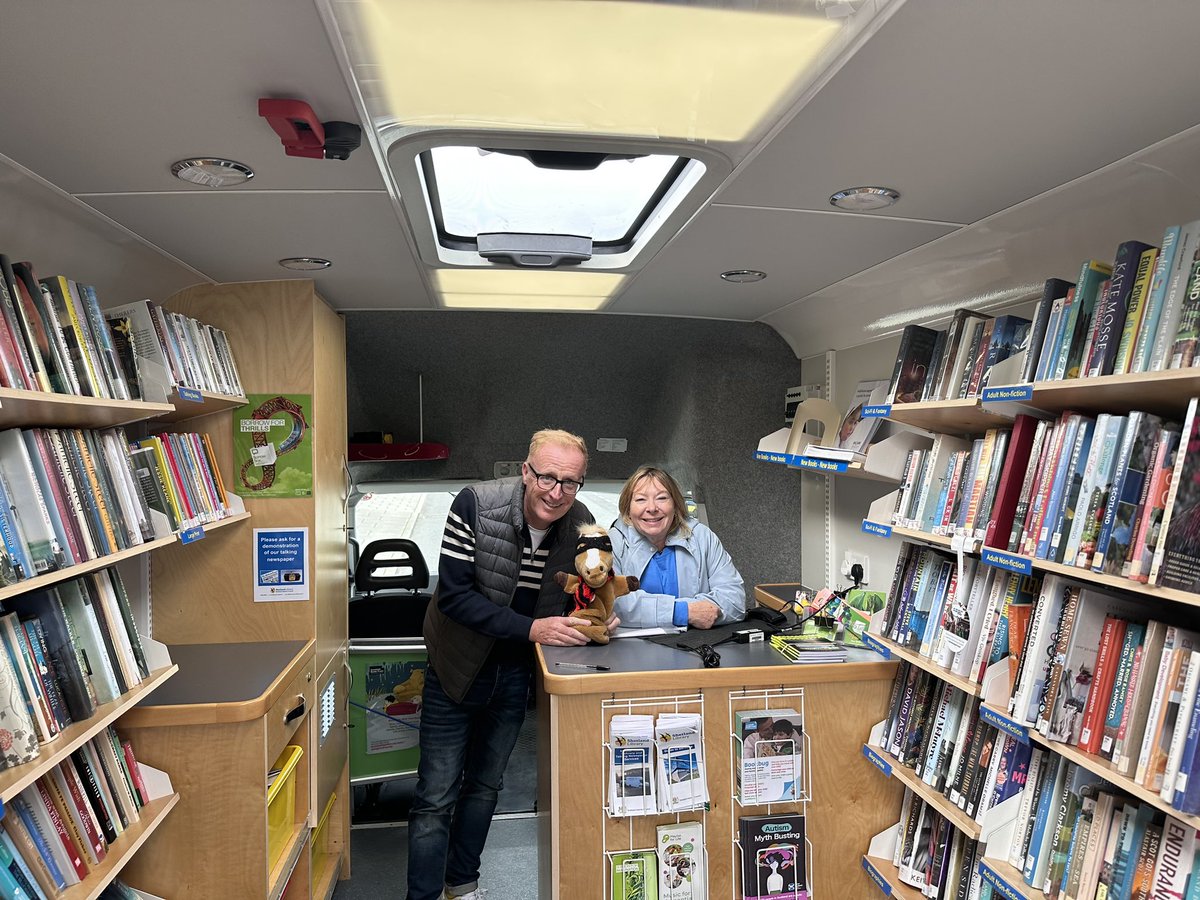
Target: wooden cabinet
286 341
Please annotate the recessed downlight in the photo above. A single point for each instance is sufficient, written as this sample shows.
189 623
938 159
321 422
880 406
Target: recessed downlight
212 172
305 263
743 276
864 199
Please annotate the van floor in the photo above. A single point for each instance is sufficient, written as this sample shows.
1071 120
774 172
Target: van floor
379 833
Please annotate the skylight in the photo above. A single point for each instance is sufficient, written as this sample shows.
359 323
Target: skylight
604 197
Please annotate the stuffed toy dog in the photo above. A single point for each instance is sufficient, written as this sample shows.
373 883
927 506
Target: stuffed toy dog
595 588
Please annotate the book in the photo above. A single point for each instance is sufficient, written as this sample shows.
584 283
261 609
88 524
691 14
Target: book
1053 292
1177 557
1111 318
855 432
912 364
773 863
1138 300
1155 297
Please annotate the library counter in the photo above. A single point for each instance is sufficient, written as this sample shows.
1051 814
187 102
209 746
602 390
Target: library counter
841 701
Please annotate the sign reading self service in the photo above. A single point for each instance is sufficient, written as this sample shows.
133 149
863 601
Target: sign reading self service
280 564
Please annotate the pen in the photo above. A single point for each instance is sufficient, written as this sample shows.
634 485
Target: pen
566 665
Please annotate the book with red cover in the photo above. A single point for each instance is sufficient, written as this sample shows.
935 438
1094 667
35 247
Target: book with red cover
73 853
1012 478
1111 640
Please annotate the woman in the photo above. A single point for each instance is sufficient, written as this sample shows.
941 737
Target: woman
675 556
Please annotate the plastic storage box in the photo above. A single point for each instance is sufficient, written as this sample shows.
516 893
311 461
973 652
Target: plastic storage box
281 802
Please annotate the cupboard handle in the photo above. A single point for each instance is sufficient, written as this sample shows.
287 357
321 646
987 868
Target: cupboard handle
295 713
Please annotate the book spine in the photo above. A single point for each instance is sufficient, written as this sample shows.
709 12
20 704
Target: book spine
1163 266
1172 304
1143 274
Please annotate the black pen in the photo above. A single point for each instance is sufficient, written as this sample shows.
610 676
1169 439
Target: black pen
567 665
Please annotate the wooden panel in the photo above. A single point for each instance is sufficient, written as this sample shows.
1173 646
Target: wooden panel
219 826
850 802
331 584
300 690
25 409
331 757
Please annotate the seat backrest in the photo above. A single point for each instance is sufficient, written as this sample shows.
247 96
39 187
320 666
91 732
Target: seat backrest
391 554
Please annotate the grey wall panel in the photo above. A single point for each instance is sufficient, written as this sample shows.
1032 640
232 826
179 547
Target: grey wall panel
692 395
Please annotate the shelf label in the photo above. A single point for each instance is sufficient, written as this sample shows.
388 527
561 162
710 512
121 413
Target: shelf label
771 457
880 411
999 885
1004 723
875 528
191 535
1007 393
880 881
873 643
821 465
190 394
1000 560
877 761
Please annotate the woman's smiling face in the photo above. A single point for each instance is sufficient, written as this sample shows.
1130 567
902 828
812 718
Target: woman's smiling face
652 511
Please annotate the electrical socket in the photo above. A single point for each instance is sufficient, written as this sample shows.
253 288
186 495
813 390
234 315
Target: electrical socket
851 557
506 468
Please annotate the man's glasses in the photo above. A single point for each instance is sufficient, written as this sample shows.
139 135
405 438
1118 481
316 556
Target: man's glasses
547 482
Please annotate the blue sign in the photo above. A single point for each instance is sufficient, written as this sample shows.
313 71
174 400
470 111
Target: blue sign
875 528
880 881
1000 560
1004 394
280 564
873 642
877 761
882 411
821 465
999 885
191 394
769 456
1004 723
191 535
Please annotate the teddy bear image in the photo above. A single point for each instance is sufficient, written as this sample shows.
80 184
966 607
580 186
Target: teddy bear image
595 588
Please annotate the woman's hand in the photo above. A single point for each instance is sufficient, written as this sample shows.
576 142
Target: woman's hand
702 613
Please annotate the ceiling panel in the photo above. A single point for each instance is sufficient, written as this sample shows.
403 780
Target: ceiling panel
240 237
801 252
968 108
100 97
1050 236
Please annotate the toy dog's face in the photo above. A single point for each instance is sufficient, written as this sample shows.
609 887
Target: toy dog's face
594 556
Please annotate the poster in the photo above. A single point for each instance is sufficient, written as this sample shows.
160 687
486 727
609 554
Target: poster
393 707
272 446
280 564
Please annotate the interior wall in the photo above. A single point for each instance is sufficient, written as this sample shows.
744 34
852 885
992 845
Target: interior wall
691 395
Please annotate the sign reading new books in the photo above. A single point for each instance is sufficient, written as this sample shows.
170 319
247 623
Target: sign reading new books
272 446
280 564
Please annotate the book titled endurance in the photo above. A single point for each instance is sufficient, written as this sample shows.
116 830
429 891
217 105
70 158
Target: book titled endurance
773 864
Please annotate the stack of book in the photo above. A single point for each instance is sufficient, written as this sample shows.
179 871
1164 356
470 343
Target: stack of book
932 855
856 430
631 778
815 647
656 765
1117 494
57 830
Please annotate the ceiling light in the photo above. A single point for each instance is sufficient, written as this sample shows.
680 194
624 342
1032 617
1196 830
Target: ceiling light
743 276
523 289
305 263
543 303
212 172
864 199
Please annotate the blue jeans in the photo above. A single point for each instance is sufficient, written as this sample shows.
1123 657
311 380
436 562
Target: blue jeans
464 750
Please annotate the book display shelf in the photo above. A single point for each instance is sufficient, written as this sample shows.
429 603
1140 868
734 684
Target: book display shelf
23 409
988 694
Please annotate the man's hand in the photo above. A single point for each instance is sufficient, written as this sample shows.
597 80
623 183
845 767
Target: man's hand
612 623
702 613
558 631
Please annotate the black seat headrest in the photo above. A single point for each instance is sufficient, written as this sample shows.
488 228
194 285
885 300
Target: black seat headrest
391 554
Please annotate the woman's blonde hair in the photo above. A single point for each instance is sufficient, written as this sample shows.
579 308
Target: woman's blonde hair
670 485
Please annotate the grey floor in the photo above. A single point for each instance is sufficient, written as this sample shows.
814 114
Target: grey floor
379 834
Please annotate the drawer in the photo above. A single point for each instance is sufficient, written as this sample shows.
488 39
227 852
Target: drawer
286 713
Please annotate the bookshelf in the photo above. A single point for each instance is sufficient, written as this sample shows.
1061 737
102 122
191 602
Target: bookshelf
287 342
1165 393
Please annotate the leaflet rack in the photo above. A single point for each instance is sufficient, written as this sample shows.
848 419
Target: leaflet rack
639 834
800 774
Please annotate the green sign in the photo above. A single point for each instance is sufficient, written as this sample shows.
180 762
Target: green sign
272 446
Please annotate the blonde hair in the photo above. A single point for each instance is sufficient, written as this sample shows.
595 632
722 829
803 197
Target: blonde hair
678 514
559 438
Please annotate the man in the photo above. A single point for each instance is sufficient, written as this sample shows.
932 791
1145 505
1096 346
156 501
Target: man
495 598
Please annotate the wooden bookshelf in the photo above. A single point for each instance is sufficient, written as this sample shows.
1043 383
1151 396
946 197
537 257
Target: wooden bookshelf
1105 769
890 875
75 735
1164 393
933 540
182 409
922 662
29 409
949 416
934 798
122 850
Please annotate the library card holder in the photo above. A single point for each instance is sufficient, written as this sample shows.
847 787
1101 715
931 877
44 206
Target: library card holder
790 779
629 774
